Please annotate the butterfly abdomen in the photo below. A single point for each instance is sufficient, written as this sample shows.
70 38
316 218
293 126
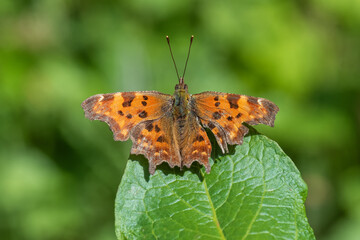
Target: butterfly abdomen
181 122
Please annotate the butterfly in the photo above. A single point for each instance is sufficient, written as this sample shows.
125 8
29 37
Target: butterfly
170 128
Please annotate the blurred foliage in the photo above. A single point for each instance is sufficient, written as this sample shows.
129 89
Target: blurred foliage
59 172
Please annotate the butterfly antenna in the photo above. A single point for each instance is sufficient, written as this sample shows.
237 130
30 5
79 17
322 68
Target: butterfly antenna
172 56
187 59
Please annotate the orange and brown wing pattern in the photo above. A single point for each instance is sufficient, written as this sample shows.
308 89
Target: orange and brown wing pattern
122 111
155 140
219 133
196 145
158 141
224 114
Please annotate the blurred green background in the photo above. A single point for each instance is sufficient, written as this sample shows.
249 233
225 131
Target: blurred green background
59 172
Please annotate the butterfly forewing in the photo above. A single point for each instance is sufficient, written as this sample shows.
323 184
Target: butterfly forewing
224 114
124 110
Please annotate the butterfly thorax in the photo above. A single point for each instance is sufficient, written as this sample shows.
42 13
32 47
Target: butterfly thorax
181 97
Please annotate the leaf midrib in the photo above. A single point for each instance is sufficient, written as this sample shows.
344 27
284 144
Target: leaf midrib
215 219
185 202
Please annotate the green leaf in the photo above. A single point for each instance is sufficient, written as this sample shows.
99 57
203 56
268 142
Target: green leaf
255 192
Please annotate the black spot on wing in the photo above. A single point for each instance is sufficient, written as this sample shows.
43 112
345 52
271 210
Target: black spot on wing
143 114
199 138
216 115
149 127
160 139
233 100
128 98
211 125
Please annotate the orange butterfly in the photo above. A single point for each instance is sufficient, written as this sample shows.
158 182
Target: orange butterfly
170 129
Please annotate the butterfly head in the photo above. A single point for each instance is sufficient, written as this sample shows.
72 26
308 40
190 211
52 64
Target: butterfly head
181 86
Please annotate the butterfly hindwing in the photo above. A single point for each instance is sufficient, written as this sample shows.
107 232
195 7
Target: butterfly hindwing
196 144
158 141
155 140
219 133
224 114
